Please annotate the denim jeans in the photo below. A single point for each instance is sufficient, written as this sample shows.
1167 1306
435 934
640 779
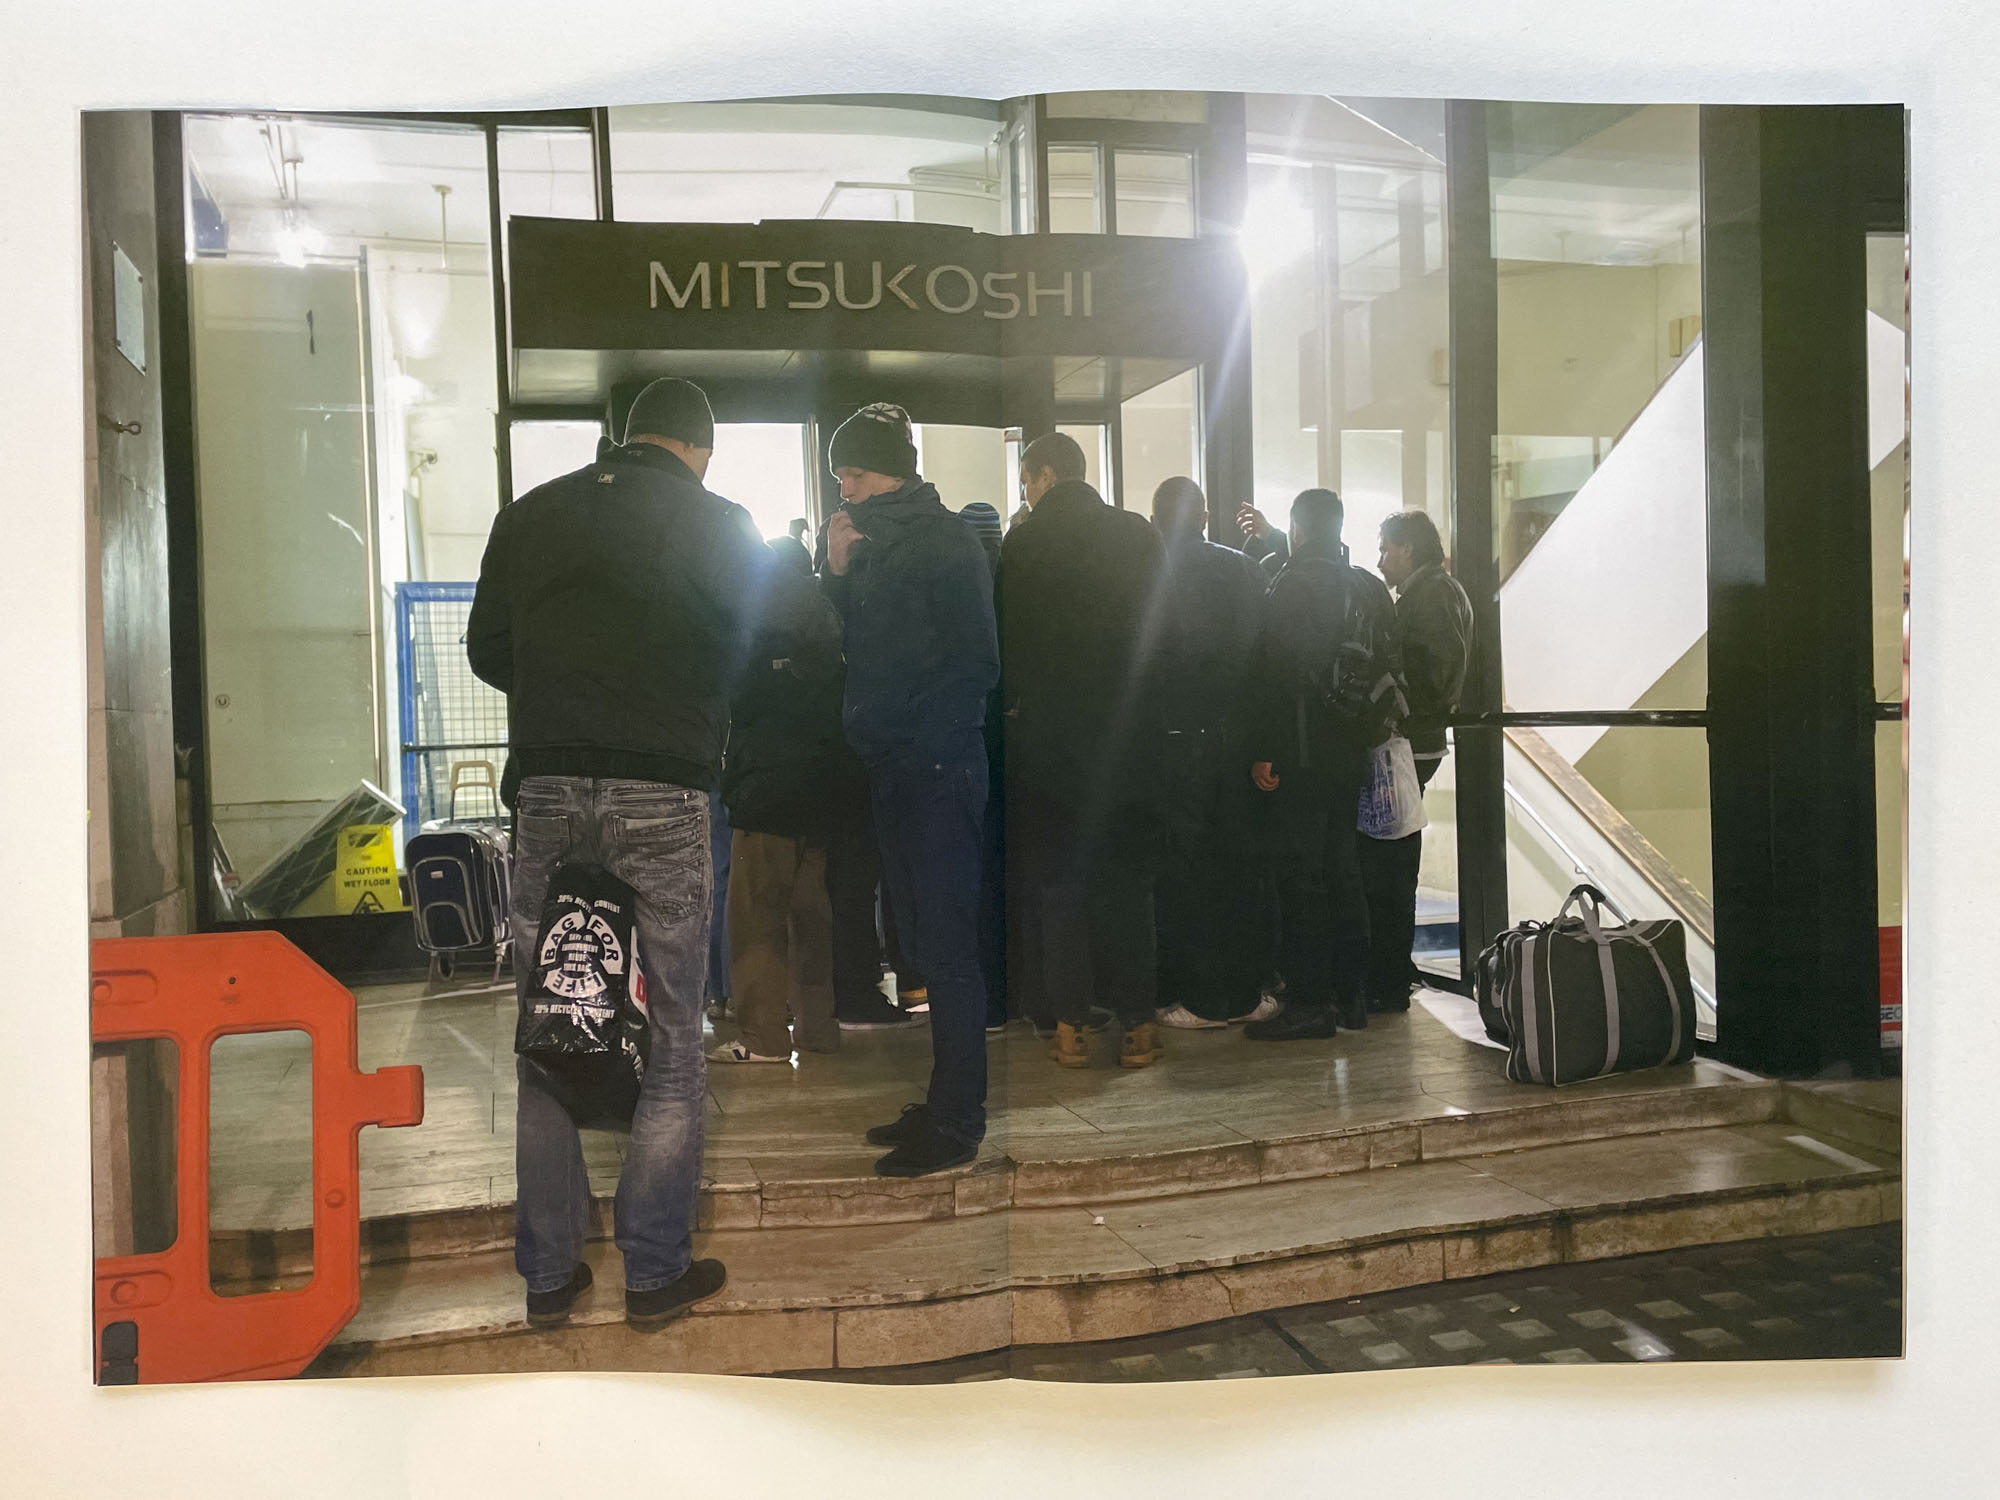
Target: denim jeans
654 837
928 813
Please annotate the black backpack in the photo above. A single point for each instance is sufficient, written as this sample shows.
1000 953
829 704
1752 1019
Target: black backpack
1355 684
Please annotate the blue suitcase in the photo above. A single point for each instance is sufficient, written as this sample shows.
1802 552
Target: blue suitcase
459 892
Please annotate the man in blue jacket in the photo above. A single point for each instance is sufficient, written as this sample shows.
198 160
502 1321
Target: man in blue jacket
915 594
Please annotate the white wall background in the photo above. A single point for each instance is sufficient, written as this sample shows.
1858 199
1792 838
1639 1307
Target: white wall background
1729 1429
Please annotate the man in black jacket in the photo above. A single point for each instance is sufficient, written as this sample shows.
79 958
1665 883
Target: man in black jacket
613 610
789 780
1434 621
1207 903
1329 688
1078 581
916 599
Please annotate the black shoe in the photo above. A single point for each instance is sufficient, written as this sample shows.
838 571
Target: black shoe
932 1151
552 1309
873 1014
1351 1014
1293 1024
910 1125
647 1311
1388 1005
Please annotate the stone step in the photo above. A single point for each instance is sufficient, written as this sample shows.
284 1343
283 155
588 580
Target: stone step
1025 1169
864 1295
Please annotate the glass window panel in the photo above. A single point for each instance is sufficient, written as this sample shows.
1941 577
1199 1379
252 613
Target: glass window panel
1342 238
966 464
1436 948
1160 431
1889 451
344 395
1599 493
547 450
1095 439
1626 809
762 466
1076 191
742 161
1155 193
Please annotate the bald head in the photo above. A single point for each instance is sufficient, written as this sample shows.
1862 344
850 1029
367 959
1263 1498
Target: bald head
1180 510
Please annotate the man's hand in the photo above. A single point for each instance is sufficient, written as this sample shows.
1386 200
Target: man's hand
841 536
1264 776
1251 521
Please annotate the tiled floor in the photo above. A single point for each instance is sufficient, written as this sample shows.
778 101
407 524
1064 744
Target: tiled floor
806 1121
1828 1296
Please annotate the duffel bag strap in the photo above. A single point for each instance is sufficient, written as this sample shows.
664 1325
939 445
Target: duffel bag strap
1591 903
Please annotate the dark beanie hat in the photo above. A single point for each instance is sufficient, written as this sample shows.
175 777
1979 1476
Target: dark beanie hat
876 438
672 409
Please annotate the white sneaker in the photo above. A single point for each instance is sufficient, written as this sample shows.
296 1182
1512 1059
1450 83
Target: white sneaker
737 1052
1182 1019
1267 1007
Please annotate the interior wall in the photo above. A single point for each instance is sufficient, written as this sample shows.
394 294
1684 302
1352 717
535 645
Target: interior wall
1583 348
137 885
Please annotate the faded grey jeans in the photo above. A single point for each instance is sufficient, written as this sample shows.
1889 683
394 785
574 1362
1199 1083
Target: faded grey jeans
654 837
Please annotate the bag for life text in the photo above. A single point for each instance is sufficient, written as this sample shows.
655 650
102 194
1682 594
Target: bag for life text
1392 803
582 1028
1582 996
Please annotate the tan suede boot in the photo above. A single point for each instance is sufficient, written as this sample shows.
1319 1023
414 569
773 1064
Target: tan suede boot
1070 1050
1141 1047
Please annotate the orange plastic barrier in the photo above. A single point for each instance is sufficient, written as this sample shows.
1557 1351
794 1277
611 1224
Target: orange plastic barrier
158 1320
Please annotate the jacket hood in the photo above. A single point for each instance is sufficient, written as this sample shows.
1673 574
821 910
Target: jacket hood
885 518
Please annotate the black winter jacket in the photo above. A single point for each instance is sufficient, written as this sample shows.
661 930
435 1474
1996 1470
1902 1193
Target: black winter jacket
917 605
614 610
1213 614
789 769
1435 621
1307 618
1080 615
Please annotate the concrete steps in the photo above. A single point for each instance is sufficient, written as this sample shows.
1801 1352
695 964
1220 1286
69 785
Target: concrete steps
1102 1248
1021 1168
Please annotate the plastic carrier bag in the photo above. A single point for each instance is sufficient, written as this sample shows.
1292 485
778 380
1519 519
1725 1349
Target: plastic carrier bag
1392 803
582 1029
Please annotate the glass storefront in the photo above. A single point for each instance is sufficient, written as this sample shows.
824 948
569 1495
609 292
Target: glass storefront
357 429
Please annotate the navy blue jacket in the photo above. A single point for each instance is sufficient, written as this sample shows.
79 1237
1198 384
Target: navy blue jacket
917 604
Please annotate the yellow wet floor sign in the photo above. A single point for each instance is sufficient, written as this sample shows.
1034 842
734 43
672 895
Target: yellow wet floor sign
364 877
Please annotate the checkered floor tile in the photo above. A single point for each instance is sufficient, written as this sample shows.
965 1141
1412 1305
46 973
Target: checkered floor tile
1830 1296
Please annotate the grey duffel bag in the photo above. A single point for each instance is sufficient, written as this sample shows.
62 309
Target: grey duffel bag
1584 997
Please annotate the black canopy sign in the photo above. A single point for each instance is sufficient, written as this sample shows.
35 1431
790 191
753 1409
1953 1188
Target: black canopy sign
835 285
